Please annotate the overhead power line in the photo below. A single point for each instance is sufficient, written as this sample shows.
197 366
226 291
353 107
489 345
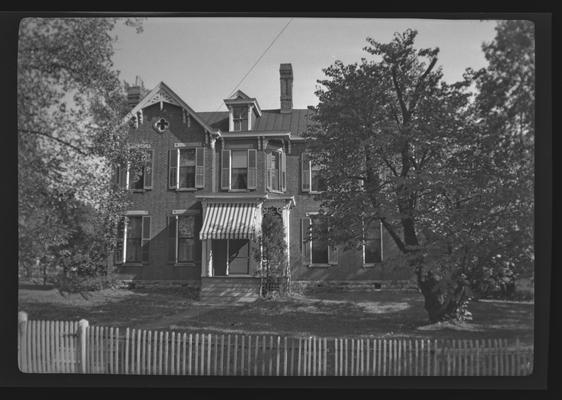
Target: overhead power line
258 60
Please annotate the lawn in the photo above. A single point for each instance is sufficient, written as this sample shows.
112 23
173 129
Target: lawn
361 314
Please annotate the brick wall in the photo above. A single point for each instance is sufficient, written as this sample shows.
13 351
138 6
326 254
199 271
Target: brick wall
160 201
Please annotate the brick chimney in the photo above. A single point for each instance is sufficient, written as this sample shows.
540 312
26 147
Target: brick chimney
135 92
286 79
133 96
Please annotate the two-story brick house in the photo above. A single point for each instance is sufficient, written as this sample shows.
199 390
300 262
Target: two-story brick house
200 200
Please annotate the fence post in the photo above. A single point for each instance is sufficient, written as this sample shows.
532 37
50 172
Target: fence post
22 344
82 326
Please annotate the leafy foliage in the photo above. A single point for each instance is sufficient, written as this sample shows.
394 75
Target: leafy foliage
429 160
70 134
271 253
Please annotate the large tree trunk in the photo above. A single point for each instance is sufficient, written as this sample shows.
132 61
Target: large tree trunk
444 297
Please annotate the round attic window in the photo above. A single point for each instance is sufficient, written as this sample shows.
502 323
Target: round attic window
161 125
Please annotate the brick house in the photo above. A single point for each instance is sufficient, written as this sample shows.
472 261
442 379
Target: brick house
199 201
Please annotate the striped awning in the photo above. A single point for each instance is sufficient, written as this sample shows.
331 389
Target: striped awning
229 221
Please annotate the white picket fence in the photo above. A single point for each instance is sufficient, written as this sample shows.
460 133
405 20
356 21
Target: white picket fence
76 347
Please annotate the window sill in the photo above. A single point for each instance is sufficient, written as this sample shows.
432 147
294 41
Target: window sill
371 265
131 264
185 264
240 190
185 190
139 190
320 265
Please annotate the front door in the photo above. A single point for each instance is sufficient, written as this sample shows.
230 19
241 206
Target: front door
231 257
238 257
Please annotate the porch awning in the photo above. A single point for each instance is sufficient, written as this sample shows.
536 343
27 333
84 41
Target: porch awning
229 221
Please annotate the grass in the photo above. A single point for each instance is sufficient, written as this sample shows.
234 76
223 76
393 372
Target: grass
374 314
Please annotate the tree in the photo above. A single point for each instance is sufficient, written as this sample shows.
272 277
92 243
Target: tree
271 253
504 108
395 145
70 134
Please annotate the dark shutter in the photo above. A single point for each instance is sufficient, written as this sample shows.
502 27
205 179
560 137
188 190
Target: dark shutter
305 173
172 168
148 168
200 167
283 171
306 240
118 253
225 170
252 169
172 238
145 237
268 161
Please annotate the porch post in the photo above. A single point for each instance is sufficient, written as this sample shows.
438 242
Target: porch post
206 258
286 224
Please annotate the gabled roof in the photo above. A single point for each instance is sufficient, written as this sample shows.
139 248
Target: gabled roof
239 97
162 92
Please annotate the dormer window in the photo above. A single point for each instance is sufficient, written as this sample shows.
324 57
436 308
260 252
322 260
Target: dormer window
240 118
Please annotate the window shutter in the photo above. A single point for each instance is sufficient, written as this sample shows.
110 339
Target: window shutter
332 254
172 238
268 160
173 168
225 170
306 242
125 223
200 167
148 168
127 175
332 251
145 235
283 171
305 169
381 240
252 169
118 254
120 176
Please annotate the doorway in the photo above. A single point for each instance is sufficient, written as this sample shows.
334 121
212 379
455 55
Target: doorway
231 257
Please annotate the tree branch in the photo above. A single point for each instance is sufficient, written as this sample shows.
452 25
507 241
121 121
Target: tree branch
394 235
390 166
75 148
420 84
400 96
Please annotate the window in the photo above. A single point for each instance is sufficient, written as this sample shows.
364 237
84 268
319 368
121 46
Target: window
315 246
239 169
372 244
317 184
238 256
191 162
319 244
276 171
240 118
139 177
275 168
311 178
133 239
239 160
182 240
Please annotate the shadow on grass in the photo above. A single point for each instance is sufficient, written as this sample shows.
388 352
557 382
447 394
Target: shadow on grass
36 286
391 314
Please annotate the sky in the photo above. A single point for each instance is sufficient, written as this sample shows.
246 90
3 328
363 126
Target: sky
203 59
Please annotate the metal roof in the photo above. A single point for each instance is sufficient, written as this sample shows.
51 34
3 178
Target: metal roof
295 121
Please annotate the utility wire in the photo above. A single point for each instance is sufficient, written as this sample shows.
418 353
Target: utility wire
258 60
